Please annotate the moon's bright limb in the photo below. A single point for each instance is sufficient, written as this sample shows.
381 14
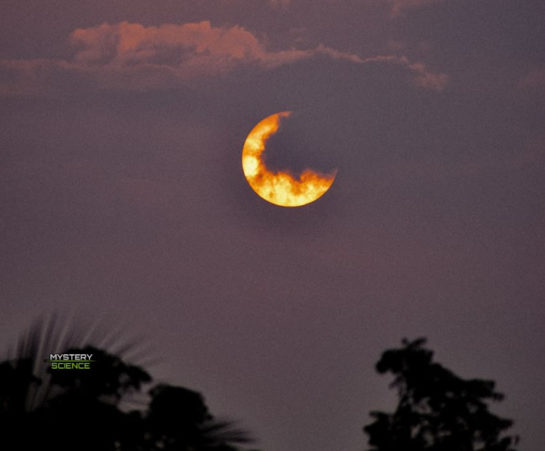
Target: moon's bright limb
279 188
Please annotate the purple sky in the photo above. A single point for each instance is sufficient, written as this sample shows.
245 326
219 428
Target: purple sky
122 124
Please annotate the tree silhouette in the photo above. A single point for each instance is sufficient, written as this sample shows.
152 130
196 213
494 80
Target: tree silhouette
177 418
437 410
88 410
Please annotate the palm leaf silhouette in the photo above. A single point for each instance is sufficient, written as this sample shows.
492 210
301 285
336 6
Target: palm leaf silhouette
107 400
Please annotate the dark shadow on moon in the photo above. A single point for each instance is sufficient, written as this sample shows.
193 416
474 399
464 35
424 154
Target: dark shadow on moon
304 141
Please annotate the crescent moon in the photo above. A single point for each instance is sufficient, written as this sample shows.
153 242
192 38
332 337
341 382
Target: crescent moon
279 188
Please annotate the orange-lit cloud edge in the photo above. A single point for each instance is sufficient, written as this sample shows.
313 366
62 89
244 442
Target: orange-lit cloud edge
279 188
134 56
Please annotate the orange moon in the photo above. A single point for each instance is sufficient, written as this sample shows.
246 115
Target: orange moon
279 188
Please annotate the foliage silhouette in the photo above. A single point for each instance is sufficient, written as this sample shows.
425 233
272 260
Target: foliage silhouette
41 408
437 410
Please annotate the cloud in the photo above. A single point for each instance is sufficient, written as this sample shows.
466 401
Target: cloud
424 78
133 56
193 47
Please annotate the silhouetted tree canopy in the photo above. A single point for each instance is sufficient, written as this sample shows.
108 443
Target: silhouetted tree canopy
437 410
88 410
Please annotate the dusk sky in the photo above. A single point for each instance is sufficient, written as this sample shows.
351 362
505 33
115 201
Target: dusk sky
123 198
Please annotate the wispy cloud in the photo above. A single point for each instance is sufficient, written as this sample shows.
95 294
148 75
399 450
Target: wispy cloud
133 56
